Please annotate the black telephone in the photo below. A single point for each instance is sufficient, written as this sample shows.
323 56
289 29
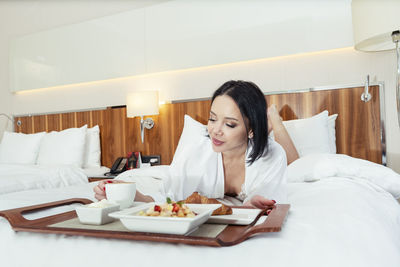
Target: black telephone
118 166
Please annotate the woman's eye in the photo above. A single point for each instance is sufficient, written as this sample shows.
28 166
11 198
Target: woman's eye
231 125
211 119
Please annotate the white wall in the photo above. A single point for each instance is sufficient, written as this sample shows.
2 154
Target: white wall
334 67
175 35
18 18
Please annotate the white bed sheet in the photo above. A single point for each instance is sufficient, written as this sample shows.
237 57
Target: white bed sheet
15 178
334 221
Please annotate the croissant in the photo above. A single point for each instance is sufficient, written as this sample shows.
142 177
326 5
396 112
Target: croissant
196 198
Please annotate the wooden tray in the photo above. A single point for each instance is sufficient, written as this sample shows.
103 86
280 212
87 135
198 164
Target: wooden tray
231 235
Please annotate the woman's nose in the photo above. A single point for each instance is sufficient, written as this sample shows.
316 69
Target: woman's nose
218 129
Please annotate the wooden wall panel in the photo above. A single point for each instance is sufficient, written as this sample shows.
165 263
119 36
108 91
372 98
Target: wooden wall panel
84 117
111 133
97 118
357 126
117 131
68 120
39 123
54 122
168 129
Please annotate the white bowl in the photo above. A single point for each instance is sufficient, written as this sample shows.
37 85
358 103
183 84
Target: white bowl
96 215
164 225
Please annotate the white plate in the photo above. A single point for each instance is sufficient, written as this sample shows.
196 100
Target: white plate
238 217
164 225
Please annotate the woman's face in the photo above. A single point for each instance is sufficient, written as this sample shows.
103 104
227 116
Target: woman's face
226 126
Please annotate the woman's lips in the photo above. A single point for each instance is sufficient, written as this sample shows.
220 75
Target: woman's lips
217 142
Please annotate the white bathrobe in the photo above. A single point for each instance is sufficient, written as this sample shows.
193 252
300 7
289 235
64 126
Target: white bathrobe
197 167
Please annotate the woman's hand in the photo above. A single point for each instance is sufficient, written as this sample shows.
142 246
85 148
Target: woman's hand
260 202
99 190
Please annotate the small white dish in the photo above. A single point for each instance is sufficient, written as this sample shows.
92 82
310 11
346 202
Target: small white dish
238 217
164 225
96 215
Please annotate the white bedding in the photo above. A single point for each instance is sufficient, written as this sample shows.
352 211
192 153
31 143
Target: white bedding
95 171
337 220
15 178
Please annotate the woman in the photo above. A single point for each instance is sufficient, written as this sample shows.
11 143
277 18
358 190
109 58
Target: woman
238 158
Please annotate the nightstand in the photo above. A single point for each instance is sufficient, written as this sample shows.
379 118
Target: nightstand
100 177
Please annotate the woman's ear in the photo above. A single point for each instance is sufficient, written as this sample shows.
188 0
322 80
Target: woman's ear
250 134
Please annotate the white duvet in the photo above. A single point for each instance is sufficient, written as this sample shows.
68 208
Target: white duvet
15 178
335 220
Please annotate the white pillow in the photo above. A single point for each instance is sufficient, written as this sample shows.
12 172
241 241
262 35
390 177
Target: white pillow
193 134
91 157
310 135
19 148
65 147
332 132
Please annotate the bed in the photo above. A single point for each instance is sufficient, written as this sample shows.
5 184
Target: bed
15 177
333 221
344 209
49 159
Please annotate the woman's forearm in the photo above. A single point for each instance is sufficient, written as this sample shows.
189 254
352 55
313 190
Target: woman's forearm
282 137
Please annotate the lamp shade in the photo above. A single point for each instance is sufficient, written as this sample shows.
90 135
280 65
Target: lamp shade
142 103
373 24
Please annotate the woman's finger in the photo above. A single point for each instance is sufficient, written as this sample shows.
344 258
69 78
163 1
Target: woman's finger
262 202
102 184
266 202
99 189
99 197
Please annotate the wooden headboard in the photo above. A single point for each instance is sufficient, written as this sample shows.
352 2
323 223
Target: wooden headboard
359 129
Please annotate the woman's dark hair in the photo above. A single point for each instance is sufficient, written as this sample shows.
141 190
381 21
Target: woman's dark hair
253 107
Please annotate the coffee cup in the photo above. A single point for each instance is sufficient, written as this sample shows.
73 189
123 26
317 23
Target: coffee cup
121 193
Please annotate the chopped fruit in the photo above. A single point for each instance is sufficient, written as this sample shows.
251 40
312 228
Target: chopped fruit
157 208
172 209
175 207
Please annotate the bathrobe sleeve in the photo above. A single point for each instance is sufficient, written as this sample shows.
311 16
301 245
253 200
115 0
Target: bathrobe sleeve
267 175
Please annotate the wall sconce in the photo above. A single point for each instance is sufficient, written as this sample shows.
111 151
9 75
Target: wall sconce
141 104
376 26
